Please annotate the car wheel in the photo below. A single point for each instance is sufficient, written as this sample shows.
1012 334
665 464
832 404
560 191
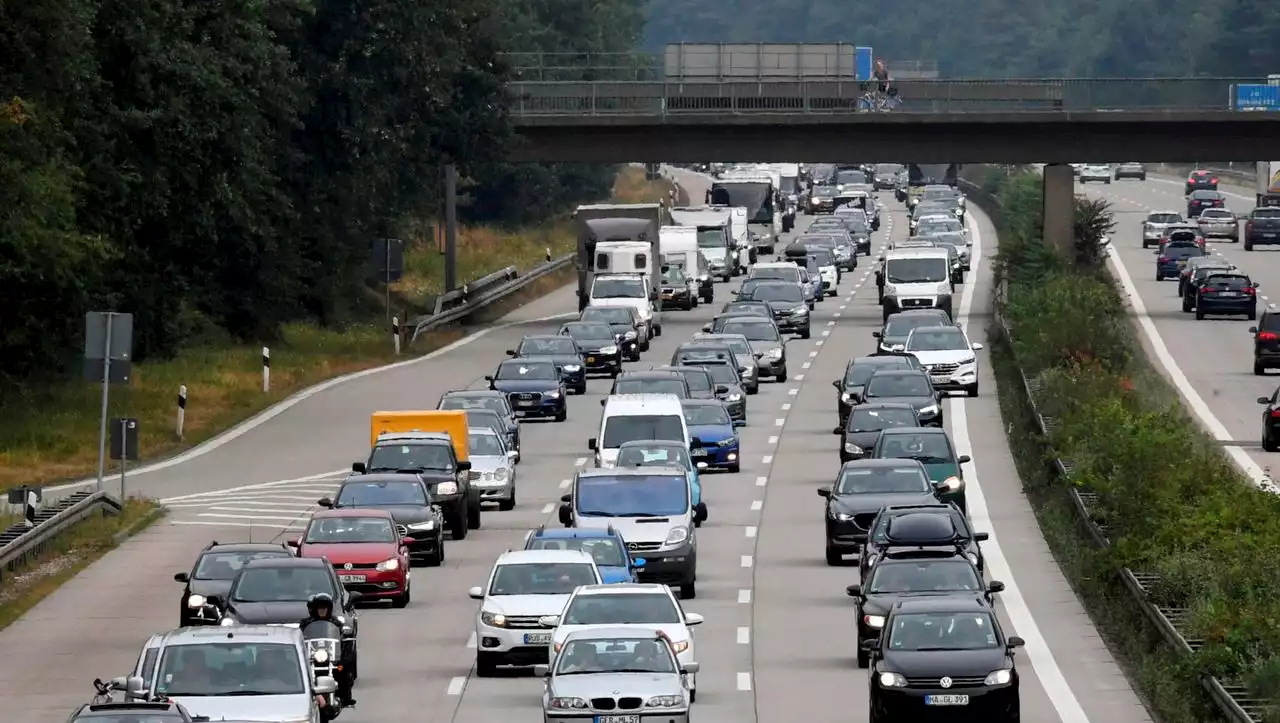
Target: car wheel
1186 304
1269 444
1248 245
735 467
458 521
437 559
753 390
864 658
834 558
401 601
580 389
508 505
781 376
562 415
473 515
688 590
973 390
485 666
1253 315
1258 369
806 334
1199 314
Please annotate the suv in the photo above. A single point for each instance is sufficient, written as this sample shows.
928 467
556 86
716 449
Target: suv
1224 292
1154 225
212 575
1201 181
937 525
1266 342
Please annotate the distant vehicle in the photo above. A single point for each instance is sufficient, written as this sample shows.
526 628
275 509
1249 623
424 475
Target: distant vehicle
1201 181
1131 170
1096 173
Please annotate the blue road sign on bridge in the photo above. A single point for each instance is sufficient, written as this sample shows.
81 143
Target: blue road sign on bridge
1250 97
862 63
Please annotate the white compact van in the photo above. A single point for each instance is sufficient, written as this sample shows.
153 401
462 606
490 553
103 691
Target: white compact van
632 417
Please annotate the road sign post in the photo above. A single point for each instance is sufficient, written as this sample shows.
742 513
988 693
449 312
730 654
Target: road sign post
108 347
124 445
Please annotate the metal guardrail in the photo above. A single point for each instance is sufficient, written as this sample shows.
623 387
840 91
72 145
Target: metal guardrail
649 66
1222 170
1233 700
51 522
478 294
663 98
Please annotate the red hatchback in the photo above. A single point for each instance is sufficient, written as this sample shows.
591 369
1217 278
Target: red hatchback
365 550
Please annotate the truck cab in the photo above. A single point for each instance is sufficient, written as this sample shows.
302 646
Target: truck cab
633 290
679 247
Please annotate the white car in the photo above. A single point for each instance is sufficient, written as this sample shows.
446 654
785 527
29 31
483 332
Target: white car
947 355
524 586
651 606
1093 172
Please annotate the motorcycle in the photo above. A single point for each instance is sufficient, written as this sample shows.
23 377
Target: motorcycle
323 639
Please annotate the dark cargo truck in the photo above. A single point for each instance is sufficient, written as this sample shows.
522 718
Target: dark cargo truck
614 222
761 201
1262 226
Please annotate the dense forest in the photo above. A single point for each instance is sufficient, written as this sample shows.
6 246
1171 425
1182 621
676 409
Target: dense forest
1004 38
225 164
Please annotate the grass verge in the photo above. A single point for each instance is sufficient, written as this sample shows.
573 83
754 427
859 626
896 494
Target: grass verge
69 554
50 434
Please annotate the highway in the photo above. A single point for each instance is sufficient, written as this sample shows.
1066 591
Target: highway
1210 362
779 637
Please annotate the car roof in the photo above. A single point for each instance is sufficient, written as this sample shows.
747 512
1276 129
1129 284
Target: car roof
203 635
921 528
879 360
876 406
701 403
773 265
542 337
127 707
573 533
639 402
651 443
383 477
259 562
533 557
951 328
651 374
245 547
913 430
900 372
879 463
651 469
1163 211
624 588
960 603
350 512
474 393
917 252
909 313
529 361
482 431
606 633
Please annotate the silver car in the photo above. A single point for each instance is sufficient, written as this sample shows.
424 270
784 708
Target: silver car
1154 225
616 675
496 466
1219 223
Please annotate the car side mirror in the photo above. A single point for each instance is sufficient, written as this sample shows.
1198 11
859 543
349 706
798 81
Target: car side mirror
488 378
325 502
475 593
689 668
511 352
853 591
325 685
1255 284
878 334
722 389
541 670
358 467
549 621
981 536
871 646
976 347
693 619
1015 642
294 542
739 423
352 596
706 327
513 455
1263 400
995 586
837 430
837 384
824 492
182 577
592 444
964 459
566 498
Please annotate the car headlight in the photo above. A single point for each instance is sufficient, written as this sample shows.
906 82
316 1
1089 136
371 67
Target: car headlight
227 621
553 394
774 354
873 621
851 448
665 701
800 311
426 526
967 362
447 488
320 656
195 602
629 335
841 516
565 703
572 367
749 371
493 620
388 565
929 411
814 201
892 680
680 646
733 398
972 558
846 398
611 349
677 536
951 484
998 677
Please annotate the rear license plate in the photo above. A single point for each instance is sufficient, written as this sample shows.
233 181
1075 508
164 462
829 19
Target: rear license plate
591 360
352 578
618 719
1230 293
1268 235
946 700
537 638
699 453
1181 264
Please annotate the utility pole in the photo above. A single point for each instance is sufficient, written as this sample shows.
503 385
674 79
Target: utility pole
450 227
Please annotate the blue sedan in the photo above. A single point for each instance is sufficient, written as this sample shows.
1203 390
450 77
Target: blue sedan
715 434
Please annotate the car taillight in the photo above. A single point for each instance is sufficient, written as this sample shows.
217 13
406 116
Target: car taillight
1163 259
1214 181
1267 336
1204 290
1250 290
1248 226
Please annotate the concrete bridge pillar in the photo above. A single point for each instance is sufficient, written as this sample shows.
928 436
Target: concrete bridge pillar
1060 208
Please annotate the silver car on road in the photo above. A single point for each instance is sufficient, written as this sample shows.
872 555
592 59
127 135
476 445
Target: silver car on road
495 465
616 675
1219 223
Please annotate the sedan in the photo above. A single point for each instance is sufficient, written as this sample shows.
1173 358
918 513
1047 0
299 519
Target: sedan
1131 170
534 387
599 669
559 350
1198 201
1219 223
861 430
906 386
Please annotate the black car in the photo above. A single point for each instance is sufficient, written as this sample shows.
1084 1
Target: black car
703 347
215 569
424 459
625 324
864 487
899 326
849 388
562 351
699 380
1173 257
409 499
601 347
947 651
938 525
665 381
759 308
275 591
860 430
789 307
726 384
534 387
906 386
1224 294
1201 181
822 200
1266 342
1197 269
911 574
496 402
130 711
1198 201
1271 422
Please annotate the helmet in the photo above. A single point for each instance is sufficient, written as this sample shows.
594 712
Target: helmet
320 600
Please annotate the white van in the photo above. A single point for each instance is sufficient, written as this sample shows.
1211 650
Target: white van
633 290
679 245
917 278
632 417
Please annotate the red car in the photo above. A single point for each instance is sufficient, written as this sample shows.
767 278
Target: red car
364 548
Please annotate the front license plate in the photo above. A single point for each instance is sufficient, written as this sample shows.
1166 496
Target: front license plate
525 404
946 700
699 453
351 578
537 638
618 719
591 360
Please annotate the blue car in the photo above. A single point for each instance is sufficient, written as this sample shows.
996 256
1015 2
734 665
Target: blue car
1173 258
714 433
659 453
606 546
534 387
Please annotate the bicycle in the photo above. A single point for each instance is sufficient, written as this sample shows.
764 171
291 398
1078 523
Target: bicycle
873 101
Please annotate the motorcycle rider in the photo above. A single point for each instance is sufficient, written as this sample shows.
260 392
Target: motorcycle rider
320 607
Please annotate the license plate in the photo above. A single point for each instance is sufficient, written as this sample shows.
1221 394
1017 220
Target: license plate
591 360
525 403
940 377
946 700
699 453
537 638
351 578
1181 264
618 719
1268 235
1230 293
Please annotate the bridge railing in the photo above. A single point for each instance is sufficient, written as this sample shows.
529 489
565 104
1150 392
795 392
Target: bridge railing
562 67
660 98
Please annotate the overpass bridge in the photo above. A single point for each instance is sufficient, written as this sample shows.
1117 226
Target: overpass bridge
938 121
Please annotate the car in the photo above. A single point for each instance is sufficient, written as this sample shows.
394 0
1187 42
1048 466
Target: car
1096 173
947 355
133 712
605 546
822 200
718 348
844 242
906 386
850 386
931 447
600 345
911 574
862 427
1266 342
1154 225
931 226
740 308
862 488
710 422
523 586
1132 169
943 651
648 607
635 292
534 387
767 343
275 591
1271 422
892 337
659 381
917 278
494 466
488 419
787 300
1219 223
496 402
420 500
215 568
662 453
678 289
369 552
624 323
560 350
1262 227
1199 266
939 525
1173 256
957 241
1225 293
604 669
1201 181
1198 201
727 385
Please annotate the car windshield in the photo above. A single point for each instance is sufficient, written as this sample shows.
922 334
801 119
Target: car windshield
697 379
735 344
400 455
550 345
846 178
282 584
721 373
950 339
632 427
898 385
333 530
229 668
857 374
484 445
226 565
657 495
525 371
608 314
900 325
924 576
589 332
617 655
753 330
824 191
492 403
942 631
1217 213
650 608
606 551
859 480
617 289
541 578
821 257
654 455
878 420
914 271
706 414
1165 218
775 272
678 387
926 448
376 494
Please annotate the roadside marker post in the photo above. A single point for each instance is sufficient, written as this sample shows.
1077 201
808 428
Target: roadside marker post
266 370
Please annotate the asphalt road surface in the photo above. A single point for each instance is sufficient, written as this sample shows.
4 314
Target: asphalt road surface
779 637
